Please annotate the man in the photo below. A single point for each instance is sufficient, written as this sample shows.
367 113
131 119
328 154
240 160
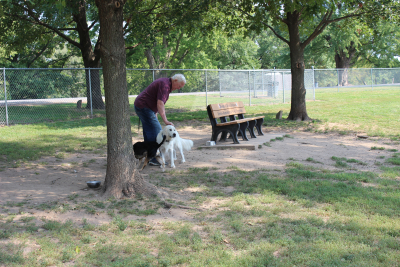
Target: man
152 101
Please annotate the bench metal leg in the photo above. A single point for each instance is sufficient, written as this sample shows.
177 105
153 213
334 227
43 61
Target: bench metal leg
251 128
231 129
223 136
242 130
258 126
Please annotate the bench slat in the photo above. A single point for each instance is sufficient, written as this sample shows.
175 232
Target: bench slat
256 118
228 112
239 121
232 122
227 109
220 106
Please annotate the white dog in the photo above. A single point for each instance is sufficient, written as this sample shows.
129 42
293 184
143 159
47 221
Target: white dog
172 143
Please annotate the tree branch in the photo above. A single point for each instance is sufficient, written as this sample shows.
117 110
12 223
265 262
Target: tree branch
319 29
266 25
91 25
325 22
183 56
39 53
177 46
276 34
37 21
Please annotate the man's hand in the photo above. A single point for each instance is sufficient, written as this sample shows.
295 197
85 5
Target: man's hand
161 110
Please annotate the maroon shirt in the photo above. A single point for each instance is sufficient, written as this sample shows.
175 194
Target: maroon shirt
157 90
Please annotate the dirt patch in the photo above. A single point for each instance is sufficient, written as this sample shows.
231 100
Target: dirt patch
56 180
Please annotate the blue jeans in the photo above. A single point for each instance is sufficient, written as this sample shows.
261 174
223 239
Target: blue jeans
151 125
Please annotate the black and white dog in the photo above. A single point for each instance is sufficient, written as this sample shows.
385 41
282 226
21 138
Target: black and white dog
172 143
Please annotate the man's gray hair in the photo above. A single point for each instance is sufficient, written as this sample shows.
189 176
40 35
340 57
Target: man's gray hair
179 77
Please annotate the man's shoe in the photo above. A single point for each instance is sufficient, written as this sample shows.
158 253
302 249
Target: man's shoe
154 162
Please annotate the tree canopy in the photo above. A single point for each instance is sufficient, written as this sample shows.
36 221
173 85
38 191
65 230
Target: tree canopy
297 24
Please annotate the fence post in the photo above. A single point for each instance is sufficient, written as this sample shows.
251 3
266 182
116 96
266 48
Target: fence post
273 85
206 88
254 82
90 90
5 94
262 80
313 81
372 81
337 79
153 75
283 87
219 79
248 80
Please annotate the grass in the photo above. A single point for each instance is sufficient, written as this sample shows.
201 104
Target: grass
342 162
302 216
344 112
48 113
299 216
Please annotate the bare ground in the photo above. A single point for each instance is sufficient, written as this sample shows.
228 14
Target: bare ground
52 180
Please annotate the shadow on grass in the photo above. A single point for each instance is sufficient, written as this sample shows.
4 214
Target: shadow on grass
345 191
49 144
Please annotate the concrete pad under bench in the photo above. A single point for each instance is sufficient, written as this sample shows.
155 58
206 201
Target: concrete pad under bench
252 144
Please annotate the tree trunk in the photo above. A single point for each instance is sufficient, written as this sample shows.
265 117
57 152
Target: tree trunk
298 110
91 58
343 62
122 177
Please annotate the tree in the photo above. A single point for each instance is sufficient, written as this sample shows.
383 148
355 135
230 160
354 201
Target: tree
344 39
296 23
122 178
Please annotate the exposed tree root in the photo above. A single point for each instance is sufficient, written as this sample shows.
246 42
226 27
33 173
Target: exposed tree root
170 205
138 186
298 117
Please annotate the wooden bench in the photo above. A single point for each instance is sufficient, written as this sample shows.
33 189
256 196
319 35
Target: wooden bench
232 121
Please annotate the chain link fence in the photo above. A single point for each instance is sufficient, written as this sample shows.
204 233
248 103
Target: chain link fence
40 95
346 80
45 95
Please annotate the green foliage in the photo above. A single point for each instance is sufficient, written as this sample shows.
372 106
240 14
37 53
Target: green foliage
198 34
273 53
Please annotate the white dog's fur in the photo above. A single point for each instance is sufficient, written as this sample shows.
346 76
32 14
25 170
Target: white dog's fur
172 143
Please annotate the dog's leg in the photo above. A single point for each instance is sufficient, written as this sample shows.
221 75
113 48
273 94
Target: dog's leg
140 162
171 154
181 151
145 163
183 157
162 162
162 156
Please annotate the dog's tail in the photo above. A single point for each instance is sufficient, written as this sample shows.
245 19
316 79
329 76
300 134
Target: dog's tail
163 139
186 144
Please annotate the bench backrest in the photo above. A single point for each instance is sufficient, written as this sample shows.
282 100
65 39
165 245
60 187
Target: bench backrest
224 110
227 109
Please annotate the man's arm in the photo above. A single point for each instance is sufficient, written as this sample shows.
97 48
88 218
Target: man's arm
161 110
